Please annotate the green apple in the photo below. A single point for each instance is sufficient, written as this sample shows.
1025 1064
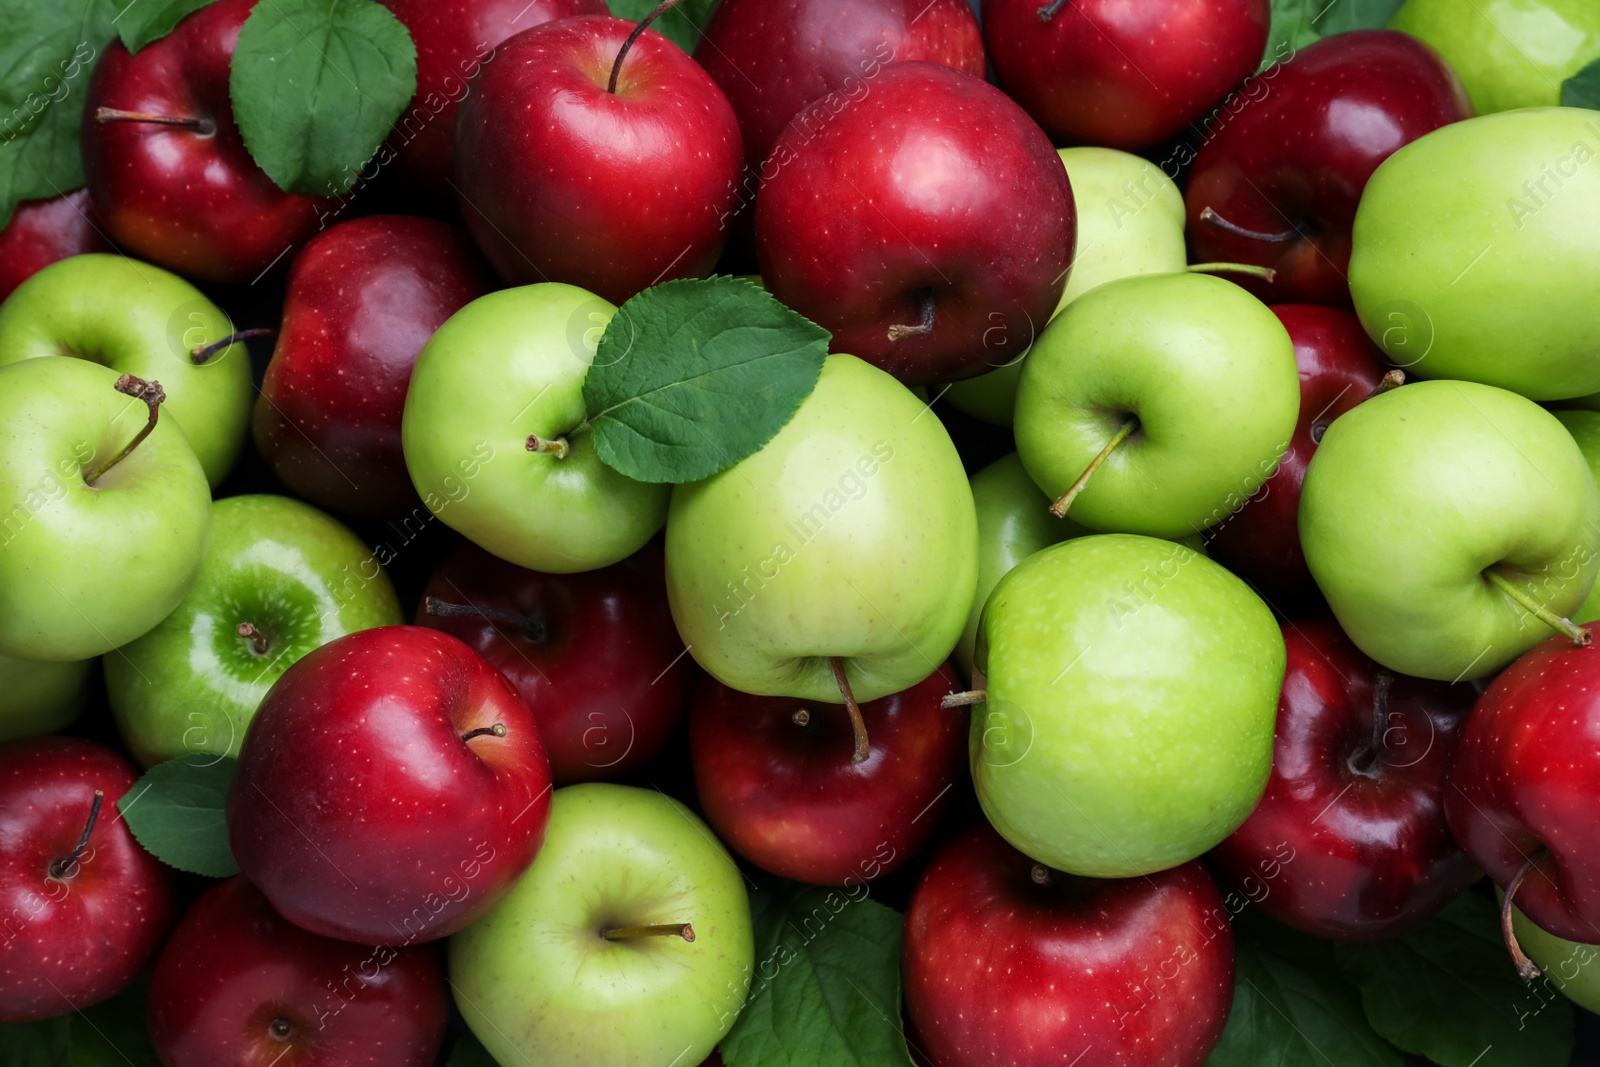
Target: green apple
86 566
1573 967
139 319
295 577
1584 426
538 979
1130 221
1476 253
1441 518
40 698
850 536
1132 690
1201 370
507 367
1509 53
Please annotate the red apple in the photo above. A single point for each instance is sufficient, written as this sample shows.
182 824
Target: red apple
1008 962
239 984
779 783
390 788
168 172
1122 74
43 231
1339 368
1277 183
564 180
83 907
364 297
1350 839
926 225
594 655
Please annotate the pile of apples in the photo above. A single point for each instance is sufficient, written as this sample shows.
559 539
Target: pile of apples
1207 507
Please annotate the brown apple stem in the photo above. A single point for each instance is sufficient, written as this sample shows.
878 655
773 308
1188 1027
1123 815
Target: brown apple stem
624 933
1059 508
1216 221
1048 11
205 126
1525 966
153 396
63 868
801 717
644 23
1266 274
257 639
555 446
203 354
924 324
857 723
530 626
1393 380
1040 874
1578 634
964 700
497 730
1368 761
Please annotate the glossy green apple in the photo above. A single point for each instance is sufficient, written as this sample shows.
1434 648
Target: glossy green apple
1572 966
1509 53
1476 253
508 366
139 319
1584 426
40 697
1433 515
1205 373
296 577
537 981
1132 689
86 567
850 535
1130 221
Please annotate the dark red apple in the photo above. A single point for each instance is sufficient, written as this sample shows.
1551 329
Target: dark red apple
778 781
454 39
1339 368
83 907
168 171
927 225
564 179
390 789
1350 839
1278 180
364 297
43 231
1122 74
239 984
594 655
1009 962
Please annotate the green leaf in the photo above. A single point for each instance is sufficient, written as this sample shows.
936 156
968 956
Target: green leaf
469 1052
1297 23
1447 991
1583 88
147 21
826 989
114 1033
47 52
47 1043
176 812
681 25
694 375
316 85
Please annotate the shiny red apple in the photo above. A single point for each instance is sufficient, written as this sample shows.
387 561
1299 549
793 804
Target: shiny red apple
43 231
390 789
364 297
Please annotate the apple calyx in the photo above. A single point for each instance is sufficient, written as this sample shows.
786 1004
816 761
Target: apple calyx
1579 635
857 723
1048 11
1216 221
644 23
205 126
1525 966
153 396
625 933
203 354
259 645
964 700
531 626
1040 874
497 730
801 717
555 446
924 323
1266 274
1059 508
1367 761
65 868
280 1029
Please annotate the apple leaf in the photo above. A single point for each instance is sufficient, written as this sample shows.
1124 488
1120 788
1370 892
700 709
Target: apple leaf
468 1051
1583 88
150 20
316 85
681 25
1297 23
826 988
46 1043
176 812
1447 991
112 1033
694 375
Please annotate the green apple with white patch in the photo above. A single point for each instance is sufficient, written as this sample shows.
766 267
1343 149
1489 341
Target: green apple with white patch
39 698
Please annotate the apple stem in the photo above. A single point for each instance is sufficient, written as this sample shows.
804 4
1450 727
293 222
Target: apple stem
555 446
655 13
1368 761
205 126
1393 380
63 868
1216 221
1040 874
1578 634
153 396
1266 274
1059 508
623 933
1525 966
1048 11
201 355
964 700
497 730
924 325
257 639
531 626
857 723
801 717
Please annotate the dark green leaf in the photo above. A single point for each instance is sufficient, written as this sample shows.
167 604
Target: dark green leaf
42 1044
176 811
147 21
692 376
468 1052
114 1033
681 25
316 85
1297 23
826 988
1583 88
1447 990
